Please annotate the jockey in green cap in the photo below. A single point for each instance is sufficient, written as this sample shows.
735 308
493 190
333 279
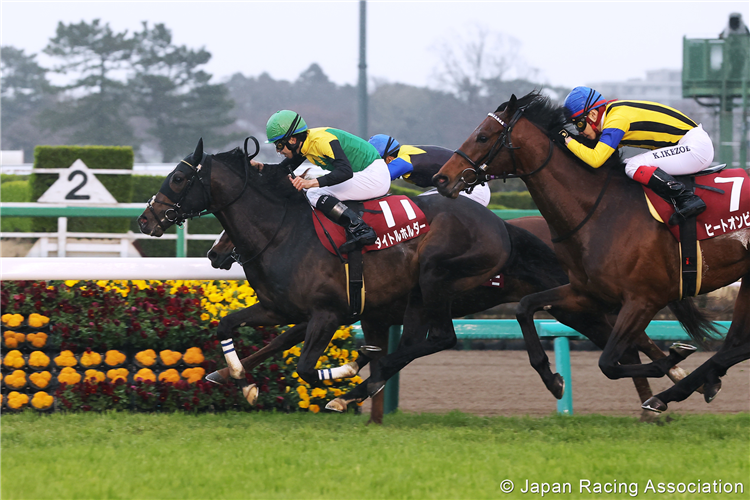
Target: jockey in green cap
355 171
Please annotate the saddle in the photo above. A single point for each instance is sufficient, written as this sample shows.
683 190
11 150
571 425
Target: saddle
726 193
394 218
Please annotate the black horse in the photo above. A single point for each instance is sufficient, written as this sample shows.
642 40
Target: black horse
298 281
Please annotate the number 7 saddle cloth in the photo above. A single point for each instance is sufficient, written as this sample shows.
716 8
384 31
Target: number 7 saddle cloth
726 211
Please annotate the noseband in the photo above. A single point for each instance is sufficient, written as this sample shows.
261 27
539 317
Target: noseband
478 171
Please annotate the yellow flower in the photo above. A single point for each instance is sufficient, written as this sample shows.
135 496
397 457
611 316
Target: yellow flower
12 339
16 400
192 375
170 358
94 376
69 376
117 374
147 357
301 389
318 393
314 408
194 356
37 320
114 358
12 320
42 400
91 359
145 374
40 379
38 359
170 375
38 339
356 379
17 379
66 358
205 317
303 404
70 283
337 392
14 359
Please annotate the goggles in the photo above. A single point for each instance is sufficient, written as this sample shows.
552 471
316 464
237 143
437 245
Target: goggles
280 145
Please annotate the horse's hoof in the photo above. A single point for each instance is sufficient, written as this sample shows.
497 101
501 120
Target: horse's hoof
215 378
558 386
338 405
374 388
681 350
710 391
654 404
251 393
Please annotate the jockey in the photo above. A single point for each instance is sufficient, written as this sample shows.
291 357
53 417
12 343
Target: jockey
356 171
679 145
419 164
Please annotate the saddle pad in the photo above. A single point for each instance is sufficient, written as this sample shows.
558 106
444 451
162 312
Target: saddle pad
394 218
724 213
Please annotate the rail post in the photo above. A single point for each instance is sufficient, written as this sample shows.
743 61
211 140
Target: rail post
562 366
390 398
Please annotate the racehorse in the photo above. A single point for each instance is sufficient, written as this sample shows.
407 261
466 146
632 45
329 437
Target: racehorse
618 257
298 281
532 268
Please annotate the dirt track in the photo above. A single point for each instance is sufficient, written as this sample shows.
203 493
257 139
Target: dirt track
504 383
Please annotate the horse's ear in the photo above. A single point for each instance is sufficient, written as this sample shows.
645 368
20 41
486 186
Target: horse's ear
511 107
198 153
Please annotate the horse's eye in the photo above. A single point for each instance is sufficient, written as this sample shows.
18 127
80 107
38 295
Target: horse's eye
482 138
178 178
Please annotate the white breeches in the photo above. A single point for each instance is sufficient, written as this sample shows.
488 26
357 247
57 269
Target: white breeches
692 154
372 182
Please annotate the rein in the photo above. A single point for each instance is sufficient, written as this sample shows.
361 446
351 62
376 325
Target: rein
178 218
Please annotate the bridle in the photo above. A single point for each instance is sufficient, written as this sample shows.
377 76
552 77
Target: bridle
202 174
478 170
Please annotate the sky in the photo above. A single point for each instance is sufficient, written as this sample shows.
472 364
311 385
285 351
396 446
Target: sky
564 43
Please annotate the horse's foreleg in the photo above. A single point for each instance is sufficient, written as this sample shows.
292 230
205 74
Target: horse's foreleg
557 301
286 340
254 315
735 349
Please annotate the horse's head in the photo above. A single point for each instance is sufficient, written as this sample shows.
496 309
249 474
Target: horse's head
222 253
480 155
184 194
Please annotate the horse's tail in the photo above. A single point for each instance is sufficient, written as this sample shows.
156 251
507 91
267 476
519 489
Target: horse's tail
698 324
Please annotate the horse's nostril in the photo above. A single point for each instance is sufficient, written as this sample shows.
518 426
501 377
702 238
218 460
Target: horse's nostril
439 180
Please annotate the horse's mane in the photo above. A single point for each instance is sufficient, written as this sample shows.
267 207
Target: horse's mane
540 110
269 183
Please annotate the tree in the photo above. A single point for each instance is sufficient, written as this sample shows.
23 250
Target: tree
25 91
467 65
175 95
94 105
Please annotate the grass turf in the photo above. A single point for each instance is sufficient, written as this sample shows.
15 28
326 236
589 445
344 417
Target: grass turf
251 455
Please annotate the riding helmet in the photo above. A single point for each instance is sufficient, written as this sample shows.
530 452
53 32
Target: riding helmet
581 100
279 125
386 145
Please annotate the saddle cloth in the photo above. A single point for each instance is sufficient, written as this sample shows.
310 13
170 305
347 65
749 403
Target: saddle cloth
725 213
394 218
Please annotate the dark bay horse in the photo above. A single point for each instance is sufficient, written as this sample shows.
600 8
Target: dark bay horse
618 257
298 281
532 267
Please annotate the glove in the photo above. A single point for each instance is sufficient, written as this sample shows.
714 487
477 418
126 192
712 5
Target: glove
560 136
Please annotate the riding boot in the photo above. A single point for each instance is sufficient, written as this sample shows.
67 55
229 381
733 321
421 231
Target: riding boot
359 233
686 202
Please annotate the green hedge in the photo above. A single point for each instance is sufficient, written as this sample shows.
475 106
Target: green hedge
520 200
15 191
95 157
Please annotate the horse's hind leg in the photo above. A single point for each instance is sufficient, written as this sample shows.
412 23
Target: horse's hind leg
736 348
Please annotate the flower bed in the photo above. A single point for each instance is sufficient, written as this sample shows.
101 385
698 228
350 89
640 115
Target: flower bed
143 346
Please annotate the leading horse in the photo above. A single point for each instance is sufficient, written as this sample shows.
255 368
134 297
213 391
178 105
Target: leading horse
298 281
618 257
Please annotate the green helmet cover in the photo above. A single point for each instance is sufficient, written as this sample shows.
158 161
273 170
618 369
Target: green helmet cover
280 122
